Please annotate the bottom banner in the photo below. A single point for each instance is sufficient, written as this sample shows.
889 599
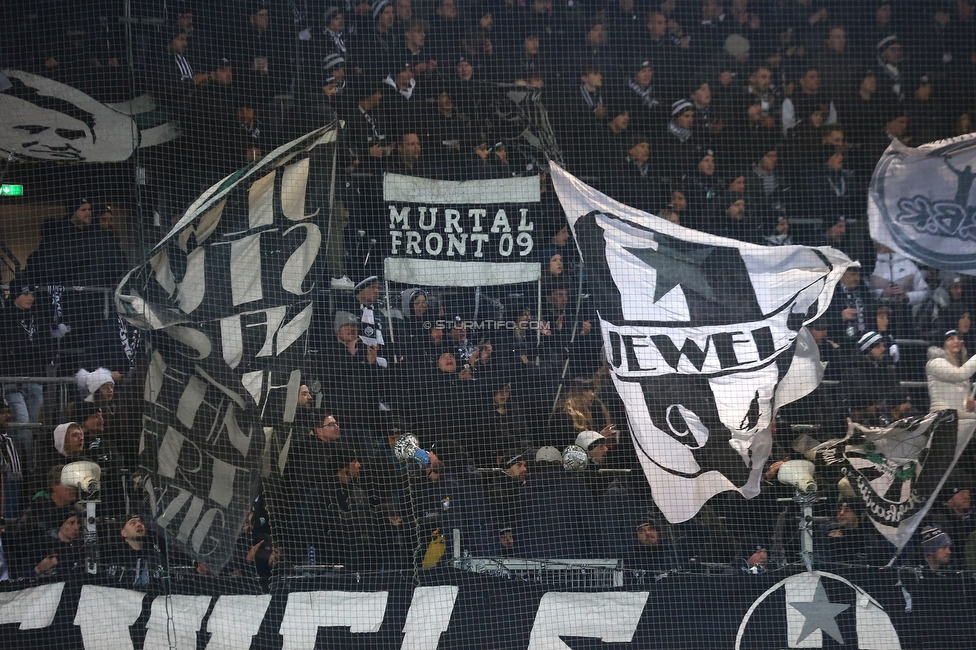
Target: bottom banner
454 609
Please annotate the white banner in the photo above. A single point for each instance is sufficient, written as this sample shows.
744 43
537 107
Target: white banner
921 202
701 336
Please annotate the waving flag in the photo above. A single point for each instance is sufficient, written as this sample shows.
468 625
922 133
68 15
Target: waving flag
705 340
228 293
897 471
921 202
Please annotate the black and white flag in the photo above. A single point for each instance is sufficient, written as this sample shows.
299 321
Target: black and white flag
45 120
228 296
897 471
921 202
705 340
453 233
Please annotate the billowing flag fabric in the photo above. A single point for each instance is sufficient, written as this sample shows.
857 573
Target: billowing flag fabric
703 338
921 202
47 120
228 293
897 471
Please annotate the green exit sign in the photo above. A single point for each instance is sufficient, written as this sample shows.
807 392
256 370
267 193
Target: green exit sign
11 190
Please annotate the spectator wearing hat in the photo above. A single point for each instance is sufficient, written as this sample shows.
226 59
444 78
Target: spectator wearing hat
648 550
875 397
376 45
97 386
254 43
134 559
64 256
829 190
948 373
336 39
680 144
402 102
370 134
506 488
597 448
938 312
356 381
852 539
955 515
754 558
703 188
891 80
768 195
936 547
640 95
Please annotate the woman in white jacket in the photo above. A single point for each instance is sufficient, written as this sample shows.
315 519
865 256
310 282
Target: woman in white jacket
948 373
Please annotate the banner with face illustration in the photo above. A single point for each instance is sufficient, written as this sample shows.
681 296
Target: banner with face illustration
45 120
921 202
228 293
704 337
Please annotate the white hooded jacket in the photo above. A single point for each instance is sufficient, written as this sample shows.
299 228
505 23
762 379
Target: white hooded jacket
949 386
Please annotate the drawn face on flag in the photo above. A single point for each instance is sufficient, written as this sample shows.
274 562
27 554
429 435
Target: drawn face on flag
700 333
47 120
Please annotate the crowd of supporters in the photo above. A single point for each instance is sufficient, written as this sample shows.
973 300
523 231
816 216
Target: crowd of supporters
756 120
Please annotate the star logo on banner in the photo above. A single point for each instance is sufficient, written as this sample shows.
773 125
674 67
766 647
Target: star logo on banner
676 267
819 614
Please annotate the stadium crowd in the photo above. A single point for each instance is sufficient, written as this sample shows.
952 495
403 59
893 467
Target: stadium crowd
756 120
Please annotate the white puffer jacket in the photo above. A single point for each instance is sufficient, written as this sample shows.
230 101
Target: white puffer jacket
949 385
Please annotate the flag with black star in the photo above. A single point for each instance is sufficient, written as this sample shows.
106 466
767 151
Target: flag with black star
701 334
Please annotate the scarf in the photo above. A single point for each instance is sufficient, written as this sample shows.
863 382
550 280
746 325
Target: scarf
679 132
646 95
406 93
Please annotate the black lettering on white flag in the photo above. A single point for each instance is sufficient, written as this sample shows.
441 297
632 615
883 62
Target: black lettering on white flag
700 333
228 295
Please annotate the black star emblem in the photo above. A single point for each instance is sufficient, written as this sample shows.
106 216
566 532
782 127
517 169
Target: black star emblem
676 266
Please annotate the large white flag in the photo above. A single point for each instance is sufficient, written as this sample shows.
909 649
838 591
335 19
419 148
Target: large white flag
921 202
705 340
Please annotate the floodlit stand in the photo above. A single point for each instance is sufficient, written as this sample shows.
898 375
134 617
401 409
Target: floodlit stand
799 474
85 475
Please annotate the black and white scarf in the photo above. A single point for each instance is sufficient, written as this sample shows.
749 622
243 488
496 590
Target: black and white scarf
131 339
593 100
9 459
186 70
339 40
679 132
646 95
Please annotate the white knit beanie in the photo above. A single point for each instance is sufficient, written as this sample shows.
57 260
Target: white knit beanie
60 432
92 381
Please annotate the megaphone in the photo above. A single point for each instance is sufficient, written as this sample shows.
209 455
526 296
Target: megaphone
408 448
